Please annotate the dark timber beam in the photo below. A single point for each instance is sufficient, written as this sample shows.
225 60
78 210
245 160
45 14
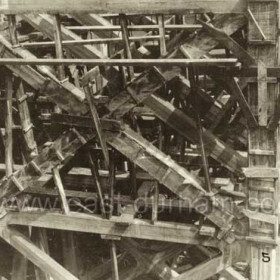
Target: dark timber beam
64 94
123 6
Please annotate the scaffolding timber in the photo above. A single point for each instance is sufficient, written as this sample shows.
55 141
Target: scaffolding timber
139 140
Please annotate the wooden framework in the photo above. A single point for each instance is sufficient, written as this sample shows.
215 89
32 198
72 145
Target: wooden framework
145 133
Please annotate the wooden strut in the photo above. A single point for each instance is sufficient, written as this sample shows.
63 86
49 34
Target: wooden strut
90 41
95 175
121 62
135 6
40 239
194 86
168 27
9 126
97 123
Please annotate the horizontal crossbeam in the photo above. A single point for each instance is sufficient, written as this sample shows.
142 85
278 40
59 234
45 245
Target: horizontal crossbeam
120 62
118 226
123 6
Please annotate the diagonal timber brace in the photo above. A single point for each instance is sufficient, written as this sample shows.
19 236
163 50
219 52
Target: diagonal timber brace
63 93
41 259
169 173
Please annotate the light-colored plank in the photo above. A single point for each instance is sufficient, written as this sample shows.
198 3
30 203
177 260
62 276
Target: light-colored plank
58 183
122 6
256 172
142 229
205 270
231 274
9 125
121 62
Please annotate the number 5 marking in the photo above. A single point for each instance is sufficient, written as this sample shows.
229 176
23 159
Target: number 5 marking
266 257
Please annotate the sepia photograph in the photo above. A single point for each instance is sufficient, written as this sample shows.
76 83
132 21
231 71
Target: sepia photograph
139 139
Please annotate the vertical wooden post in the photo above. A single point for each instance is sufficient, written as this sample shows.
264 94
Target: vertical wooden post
115 270
58 45
125 34
262 95
68 239
194 86
59 51
19 261
97 124
155 203
25 120
59 185
278 150
13 29
127 51
162 42
112 181
19 270
40 239
95 175
69 252
9 125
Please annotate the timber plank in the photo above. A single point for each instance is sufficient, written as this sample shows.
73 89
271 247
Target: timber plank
140 229
122 6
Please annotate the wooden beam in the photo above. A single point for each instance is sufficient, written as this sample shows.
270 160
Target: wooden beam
95 176
186 127
27 126
120 62
19 270
97 124
9 125
91 41
97 28
162 42
40 239
126 42
140 229
230 44
122 6
235 90
261 172
114 259
84 122
64 94
69 252
58 45
22 244
66 146
262 95
13 29
58 183
167 172
231 274
205 270
45 24
162 270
